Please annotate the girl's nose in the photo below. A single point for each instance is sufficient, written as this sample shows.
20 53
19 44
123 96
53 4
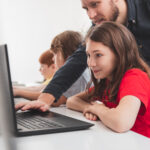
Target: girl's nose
91 62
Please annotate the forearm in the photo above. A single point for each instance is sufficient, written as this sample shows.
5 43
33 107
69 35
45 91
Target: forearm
30 88
46 98
121 118
31 95
36 88
109 117
112 118
77 104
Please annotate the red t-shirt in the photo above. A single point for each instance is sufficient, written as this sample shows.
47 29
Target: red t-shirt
136 82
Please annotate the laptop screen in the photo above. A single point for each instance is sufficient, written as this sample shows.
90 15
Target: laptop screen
6 90
8 125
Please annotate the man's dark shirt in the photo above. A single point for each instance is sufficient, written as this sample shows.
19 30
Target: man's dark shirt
138 24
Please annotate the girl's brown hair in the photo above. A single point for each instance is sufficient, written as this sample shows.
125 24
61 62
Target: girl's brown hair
66 42
46 58
121 41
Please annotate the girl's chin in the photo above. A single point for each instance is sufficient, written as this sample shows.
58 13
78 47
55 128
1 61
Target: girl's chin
97 77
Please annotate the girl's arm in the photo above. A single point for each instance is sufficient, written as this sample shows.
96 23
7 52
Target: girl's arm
78 102
121 118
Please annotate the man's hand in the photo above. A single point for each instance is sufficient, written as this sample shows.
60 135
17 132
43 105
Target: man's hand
32 105
47 98
43 103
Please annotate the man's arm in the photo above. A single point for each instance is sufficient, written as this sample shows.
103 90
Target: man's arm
68 74
148 5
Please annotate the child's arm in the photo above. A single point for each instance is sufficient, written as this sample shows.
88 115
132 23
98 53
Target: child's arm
27 94
121 118
78 102
31 88
30 93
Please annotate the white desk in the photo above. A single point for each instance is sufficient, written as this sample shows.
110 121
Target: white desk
97 137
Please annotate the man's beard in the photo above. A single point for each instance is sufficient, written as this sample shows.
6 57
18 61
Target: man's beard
115 12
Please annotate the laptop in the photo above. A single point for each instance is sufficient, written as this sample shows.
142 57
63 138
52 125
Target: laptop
31 122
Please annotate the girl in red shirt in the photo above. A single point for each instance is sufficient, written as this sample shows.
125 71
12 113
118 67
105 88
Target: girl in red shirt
121 81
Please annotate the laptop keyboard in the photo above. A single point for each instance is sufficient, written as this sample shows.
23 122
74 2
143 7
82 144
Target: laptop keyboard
37 123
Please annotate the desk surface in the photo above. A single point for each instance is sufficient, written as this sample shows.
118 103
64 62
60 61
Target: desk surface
97 137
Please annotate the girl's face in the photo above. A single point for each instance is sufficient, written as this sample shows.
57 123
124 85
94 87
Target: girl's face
58 59
100 59
47 71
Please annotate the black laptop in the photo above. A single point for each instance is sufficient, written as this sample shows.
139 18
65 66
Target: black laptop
31 122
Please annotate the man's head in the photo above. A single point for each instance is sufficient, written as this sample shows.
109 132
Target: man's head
105 10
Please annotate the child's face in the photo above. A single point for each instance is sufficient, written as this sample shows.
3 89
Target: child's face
47 71
58 59
100 59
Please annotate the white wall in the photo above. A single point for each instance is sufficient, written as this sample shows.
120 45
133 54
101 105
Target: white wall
28 26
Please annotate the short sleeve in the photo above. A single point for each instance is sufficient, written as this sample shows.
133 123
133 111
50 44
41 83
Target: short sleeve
80 85
77 87
136 83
